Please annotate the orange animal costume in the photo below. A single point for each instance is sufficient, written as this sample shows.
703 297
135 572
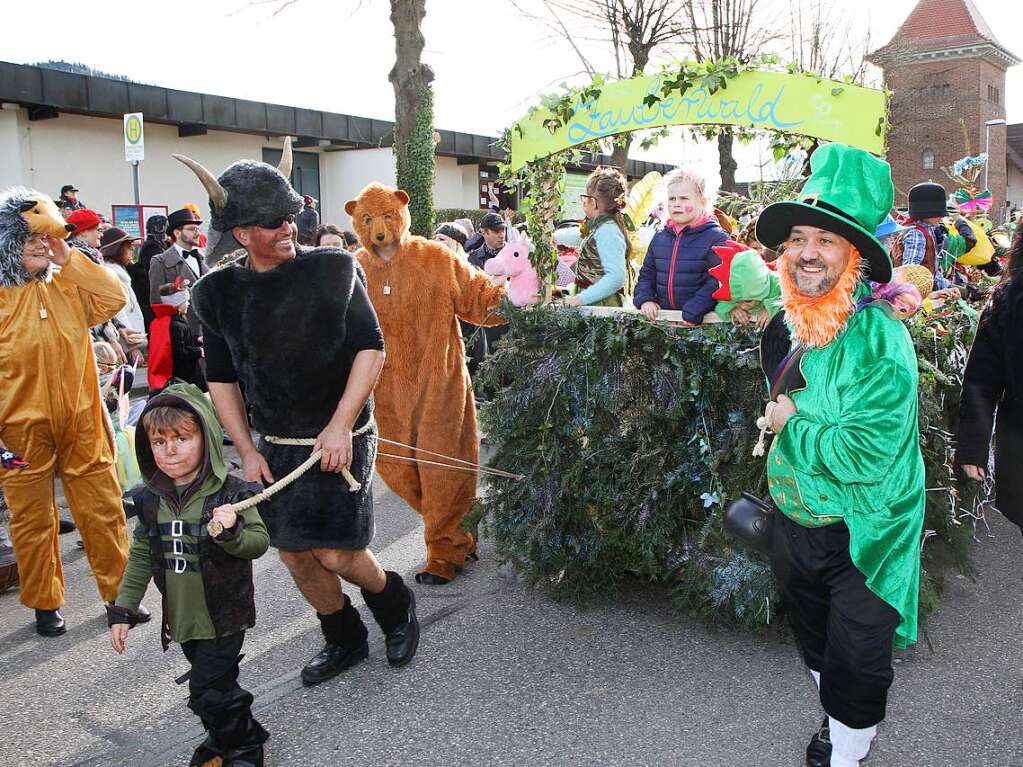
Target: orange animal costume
51 412
424 397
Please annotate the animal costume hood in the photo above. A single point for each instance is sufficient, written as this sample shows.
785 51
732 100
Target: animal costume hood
246 194
23 213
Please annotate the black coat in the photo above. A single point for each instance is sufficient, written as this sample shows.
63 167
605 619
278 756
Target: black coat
994 381
186 353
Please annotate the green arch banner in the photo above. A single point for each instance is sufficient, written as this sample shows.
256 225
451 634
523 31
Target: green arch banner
793 103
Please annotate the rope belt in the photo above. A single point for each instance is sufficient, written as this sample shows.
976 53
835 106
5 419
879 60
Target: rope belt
457 464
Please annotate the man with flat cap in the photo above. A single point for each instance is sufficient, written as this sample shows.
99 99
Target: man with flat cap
845 469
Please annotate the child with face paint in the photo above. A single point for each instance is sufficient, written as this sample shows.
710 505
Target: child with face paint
675 270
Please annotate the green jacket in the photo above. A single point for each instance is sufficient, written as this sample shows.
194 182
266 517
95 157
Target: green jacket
181 575
749 279
853 449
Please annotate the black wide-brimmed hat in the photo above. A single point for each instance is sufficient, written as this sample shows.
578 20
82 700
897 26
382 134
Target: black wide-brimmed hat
849 192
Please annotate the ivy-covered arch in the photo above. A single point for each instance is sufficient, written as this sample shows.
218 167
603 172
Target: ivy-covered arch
760 95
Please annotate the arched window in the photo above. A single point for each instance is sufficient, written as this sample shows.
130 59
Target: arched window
928 158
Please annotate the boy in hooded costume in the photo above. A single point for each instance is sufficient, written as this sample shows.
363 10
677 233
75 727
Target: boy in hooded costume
297 330
51 412
425 399
750 290
845 468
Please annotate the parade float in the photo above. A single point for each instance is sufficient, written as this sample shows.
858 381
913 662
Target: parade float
634 436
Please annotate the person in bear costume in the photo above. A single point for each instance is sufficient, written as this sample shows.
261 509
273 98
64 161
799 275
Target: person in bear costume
419 290
294 327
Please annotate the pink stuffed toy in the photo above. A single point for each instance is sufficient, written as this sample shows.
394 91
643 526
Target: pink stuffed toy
513 262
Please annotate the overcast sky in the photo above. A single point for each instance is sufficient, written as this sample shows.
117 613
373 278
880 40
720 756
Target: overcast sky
491 62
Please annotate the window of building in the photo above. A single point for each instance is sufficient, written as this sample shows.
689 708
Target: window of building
928 158
994 94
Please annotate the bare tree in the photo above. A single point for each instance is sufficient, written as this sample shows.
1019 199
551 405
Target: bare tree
632 29
720 29
827 39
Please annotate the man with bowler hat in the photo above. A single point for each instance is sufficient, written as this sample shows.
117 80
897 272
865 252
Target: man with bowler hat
183 260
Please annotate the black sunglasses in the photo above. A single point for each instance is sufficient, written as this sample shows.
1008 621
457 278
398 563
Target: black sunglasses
277 223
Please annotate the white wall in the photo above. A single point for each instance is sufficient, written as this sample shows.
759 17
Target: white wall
1015 185
89 153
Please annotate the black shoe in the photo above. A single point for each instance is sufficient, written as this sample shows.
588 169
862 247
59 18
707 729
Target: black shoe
818 752
205 751
142 615
67 526
49 623
429 579
394 609
331 661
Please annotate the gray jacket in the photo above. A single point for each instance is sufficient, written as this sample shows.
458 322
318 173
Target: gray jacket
167 267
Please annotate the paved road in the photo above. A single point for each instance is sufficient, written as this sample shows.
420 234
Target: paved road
505 676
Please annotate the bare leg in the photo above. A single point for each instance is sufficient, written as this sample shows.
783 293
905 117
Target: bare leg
357 566
318 585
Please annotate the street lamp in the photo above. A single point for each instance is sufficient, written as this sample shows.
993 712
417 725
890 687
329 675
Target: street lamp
987 145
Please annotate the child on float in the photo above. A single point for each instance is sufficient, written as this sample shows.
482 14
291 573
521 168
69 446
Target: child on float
675 272
750 291
199 552
602 271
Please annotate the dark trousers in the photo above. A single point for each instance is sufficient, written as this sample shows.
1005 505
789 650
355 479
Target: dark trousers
845 630
215 696
214 663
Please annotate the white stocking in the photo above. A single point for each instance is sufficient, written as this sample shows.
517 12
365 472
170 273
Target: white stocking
849 746
816 678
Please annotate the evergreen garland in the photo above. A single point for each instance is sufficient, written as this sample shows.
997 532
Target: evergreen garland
635 436
415 166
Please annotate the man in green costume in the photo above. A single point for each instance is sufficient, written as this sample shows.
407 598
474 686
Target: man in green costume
845 468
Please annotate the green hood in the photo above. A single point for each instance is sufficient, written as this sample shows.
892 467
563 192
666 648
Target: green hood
214 471
749 278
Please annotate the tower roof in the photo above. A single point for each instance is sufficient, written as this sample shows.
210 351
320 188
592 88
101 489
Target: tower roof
943 26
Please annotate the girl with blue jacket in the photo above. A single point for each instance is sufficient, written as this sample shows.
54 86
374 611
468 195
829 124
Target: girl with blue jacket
674 273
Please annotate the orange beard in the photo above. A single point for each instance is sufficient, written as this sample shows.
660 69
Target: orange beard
816 320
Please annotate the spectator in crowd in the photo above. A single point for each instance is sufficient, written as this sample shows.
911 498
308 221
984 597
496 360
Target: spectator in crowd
328 234
492 233
197 214
68 200
307 220
188 363
453 237
86 234
154 244
922 240
351 240
675 270
181 260
118 249
104 224
993 386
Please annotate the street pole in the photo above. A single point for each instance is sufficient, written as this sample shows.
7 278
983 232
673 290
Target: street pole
987 145
135 181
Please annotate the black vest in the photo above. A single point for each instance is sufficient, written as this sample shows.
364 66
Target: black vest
227 580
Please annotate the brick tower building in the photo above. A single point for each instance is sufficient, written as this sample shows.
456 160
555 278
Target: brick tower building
945 65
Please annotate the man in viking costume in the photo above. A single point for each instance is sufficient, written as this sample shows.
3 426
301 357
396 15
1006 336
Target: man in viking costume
295 330
845 468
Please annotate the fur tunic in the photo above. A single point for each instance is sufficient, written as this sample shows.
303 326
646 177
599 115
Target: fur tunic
292 334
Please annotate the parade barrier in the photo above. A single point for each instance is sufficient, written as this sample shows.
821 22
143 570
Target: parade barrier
634 437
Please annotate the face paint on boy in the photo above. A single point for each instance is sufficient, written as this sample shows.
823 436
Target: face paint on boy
178 452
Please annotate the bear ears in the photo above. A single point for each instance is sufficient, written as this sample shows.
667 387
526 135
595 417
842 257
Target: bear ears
373 194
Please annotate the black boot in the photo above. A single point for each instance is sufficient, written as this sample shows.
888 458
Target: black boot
49 623
818 752
142 615
234 734
394 609
345 646
67 526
